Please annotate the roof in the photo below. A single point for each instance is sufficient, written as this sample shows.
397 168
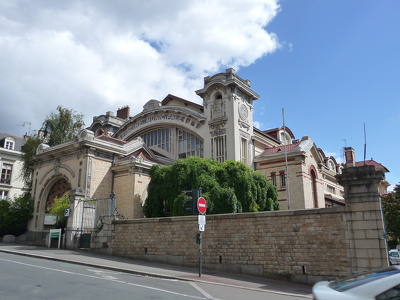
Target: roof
371 162
171 97
280 149
110 139
274 132
141 153
19 141
263 133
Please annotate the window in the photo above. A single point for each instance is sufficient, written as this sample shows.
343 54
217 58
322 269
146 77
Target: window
331 165
160 138
9 145
283 179
219 148
273 179
331 189
243 151
6 173
363 278
3 195
189 145
393 293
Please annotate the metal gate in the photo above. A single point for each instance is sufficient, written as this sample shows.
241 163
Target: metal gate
89 216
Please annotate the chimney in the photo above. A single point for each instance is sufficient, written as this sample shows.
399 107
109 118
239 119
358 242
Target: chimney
350 156
123 113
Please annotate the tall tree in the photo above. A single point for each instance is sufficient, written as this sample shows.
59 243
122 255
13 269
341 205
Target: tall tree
59 127
230 187
391 206
62 127
28 151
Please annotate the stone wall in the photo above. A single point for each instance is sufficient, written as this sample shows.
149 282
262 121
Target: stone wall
298 245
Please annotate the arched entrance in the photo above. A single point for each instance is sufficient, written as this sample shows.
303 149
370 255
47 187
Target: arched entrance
57 190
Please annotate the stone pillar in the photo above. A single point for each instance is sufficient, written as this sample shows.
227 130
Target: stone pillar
76 197
363 214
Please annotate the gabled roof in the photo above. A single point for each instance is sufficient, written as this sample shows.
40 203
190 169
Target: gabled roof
263 133
274 132
171 97
279 149
140 153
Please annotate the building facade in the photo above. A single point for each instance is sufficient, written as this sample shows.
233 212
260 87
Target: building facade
11 183
115 153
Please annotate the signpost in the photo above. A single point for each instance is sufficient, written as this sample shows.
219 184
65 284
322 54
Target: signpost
202 208
201 205
55 234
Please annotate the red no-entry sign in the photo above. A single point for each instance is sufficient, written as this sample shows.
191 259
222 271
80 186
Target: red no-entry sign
201 205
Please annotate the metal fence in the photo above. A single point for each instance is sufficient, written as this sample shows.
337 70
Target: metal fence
89 216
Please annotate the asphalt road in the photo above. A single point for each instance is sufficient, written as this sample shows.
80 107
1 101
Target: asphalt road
23 277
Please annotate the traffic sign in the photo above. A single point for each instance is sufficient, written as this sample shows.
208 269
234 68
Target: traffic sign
201 205
201 219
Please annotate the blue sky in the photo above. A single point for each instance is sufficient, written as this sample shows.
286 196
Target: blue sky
333 65
338 69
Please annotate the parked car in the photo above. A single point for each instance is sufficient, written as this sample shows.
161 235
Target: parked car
383 284
394 257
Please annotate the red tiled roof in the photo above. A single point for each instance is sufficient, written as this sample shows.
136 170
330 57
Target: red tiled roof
110 139
148 157
371 162
279 149
141 154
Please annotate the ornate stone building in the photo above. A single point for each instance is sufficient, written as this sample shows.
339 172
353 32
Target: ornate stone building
115 153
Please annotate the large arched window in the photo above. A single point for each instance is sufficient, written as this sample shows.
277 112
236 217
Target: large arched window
180 143
160 138
189 145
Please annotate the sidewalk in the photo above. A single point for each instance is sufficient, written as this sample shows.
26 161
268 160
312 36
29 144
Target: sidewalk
158 270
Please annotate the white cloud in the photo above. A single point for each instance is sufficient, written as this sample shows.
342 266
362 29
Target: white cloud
258 125
98 56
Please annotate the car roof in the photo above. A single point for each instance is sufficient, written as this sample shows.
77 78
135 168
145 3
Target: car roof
377 286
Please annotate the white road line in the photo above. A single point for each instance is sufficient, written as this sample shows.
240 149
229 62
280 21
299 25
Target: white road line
103 278
205 294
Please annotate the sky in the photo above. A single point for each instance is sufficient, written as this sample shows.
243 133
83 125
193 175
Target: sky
328 69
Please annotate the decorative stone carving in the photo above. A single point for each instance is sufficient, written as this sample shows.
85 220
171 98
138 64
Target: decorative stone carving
218 109
151 104
243 111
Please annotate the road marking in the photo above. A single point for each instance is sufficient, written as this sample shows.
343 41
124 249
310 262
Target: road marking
205 294
103 278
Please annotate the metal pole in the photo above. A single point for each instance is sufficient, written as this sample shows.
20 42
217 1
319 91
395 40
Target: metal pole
286 161
200 255
83 209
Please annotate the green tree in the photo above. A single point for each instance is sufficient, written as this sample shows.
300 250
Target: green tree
58 208
391 206
230 187
60 127
28 151
15 214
